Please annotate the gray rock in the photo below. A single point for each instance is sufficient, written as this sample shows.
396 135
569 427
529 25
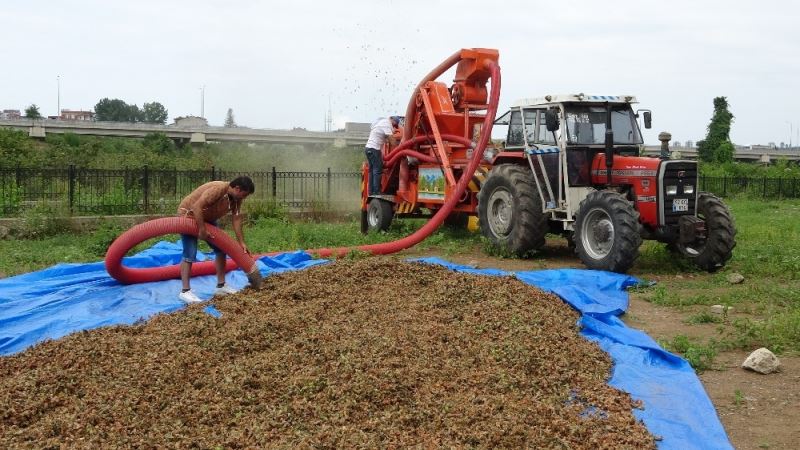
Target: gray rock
735 278
2 275
4 232
762 361
721 309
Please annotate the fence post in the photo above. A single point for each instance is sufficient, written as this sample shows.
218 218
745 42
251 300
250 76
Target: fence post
329 187
764 188
145 189
71 184
212 173
274 183
724 185
780 187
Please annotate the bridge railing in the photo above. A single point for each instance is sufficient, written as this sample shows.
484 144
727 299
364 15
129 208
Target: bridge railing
81 192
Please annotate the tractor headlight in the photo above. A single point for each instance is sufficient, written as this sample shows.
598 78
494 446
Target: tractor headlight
672 190
688 189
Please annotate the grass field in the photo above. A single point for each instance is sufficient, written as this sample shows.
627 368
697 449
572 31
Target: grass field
767 254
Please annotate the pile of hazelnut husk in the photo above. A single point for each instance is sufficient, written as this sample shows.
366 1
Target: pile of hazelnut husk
372 352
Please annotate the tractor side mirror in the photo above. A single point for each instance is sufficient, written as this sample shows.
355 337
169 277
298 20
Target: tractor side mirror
551 119
648 119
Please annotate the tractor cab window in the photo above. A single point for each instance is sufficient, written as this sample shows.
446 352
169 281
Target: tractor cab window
544 136
515 131
587 125
530 125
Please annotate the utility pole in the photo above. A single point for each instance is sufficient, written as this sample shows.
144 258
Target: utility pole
203 101
329 117
58 83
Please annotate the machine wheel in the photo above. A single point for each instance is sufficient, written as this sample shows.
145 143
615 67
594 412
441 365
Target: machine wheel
510 210
379 215
712 253
607 232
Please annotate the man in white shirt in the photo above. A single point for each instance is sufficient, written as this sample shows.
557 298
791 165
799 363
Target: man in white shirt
381 130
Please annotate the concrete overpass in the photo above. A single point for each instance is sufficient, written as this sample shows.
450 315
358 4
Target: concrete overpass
202 134
755 153
40 127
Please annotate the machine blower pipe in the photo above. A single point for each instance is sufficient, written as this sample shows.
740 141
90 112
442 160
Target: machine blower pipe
403 149
147 230
449 204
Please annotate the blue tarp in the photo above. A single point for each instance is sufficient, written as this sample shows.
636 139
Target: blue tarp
65 298
54 302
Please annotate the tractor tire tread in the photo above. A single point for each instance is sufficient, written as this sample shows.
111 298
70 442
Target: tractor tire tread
626 249
722 235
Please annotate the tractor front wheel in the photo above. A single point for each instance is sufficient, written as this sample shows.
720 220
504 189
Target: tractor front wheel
716 249
379 215
510 210
607 232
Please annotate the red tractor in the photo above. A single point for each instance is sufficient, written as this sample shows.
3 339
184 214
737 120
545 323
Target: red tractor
569 166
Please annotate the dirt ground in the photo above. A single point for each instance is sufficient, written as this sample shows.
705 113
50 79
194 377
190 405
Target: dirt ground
766 412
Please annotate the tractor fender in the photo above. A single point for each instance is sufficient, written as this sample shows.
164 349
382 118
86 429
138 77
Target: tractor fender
509 158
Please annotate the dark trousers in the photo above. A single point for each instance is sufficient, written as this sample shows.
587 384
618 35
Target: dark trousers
375 161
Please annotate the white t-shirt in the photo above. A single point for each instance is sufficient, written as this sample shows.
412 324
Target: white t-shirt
379 131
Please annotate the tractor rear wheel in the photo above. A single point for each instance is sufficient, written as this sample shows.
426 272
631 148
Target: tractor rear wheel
379 215
712 253
607 232
510 210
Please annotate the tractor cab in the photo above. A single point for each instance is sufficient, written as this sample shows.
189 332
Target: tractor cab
561 135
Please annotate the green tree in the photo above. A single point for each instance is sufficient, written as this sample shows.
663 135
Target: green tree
154 113
32 112
159 143
16 149
724 153
134 114
229 122
116 110
717 145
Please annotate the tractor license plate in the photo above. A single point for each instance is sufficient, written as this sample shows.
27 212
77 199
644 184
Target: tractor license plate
680 204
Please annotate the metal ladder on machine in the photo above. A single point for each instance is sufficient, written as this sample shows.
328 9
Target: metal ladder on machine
552 200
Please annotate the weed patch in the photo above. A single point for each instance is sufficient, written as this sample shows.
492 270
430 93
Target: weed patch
699 356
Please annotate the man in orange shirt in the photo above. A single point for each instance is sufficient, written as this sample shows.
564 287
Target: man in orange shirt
207 204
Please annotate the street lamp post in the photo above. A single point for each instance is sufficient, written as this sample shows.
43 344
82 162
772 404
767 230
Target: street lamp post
58 83
203 101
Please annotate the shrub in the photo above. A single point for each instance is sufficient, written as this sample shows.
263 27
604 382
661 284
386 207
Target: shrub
43 220
103 237
261 209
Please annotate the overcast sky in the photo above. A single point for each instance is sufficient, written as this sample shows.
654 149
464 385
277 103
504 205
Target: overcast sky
281 64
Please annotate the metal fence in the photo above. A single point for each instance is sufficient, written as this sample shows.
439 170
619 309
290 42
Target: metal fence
757 187
145 191
80 192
